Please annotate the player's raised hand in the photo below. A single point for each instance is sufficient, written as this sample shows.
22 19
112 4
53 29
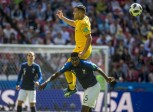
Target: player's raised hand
59 14
17 87
110 79
42 86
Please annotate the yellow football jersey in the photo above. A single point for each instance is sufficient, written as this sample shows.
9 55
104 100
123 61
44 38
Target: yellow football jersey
82 28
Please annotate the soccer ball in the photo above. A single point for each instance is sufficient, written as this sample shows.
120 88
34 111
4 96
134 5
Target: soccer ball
135 9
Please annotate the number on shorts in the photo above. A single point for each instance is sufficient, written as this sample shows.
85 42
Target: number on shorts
85 99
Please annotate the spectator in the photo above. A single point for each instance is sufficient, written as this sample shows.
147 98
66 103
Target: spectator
101 40
148 44
8 30
143 75
150 77
40 12
144 29
58 40
17 13
150 33
118 74
65 35
48 38
13 39
133 74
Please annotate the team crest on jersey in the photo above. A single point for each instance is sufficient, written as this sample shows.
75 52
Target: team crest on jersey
33 70
24 71
86 29
84 71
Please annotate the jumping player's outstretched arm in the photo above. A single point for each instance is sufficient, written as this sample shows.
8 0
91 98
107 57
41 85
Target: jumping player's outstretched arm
68 21
108 79
94 67
51 78
55 75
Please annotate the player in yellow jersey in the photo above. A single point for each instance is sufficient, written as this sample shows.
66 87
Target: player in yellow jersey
83 40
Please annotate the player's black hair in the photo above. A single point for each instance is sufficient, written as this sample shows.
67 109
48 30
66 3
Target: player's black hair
81 7
74 54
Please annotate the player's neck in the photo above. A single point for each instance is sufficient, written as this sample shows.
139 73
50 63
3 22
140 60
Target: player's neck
30 63
81 17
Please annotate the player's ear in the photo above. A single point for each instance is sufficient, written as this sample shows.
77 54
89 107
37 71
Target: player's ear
34 57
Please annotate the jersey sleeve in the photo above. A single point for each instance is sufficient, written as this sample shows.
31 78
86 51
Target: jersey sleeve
92 66
65 68
85 28
20 75
39 74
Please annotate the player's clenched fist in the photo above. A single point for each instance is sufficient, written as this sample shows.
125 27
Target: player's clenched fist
110 79
59 14
37 83
42 86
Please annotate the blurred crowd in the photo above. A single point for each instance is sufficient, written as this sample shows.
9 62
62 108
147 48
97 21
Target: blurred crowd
130 39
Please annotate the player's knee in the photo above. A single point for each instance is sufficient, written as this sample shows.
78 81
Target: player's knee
32 104
20 103
85 109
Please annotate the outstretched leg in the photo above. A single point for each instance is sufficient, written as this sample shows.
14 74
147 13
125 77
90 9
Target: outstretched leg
71 79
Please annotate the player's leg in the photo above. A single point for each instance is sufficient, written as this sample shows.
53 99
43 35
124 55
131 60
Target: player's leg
85 109
19 106
87 54
32 100
71 79
89 98
33 107
21 98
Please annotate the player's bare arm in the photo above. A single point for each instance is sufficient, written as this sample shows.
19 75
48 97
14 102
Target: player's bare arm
88 43
51 78
62 17
108 79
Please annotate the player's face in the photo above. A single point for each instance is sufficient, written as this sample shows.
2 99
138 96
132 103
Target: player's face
76 14
30 57
75 61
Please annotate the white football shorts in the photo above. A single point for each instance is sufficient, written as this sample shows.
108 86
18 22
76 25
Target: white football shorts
30 94
90 95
